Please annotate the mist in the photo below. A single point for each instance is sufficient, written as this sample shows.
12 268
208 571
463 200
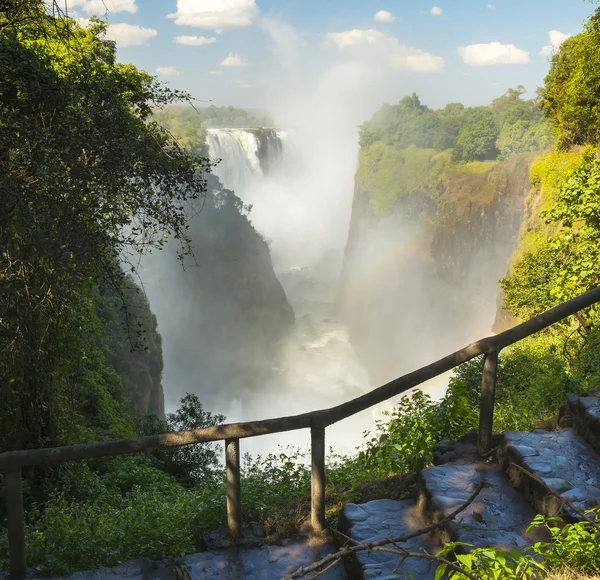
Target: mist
366 310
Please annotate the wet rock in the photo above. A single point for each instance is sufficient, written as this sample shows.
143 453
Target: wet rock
380 519
582 414
562 460
497 517
265 563
444 446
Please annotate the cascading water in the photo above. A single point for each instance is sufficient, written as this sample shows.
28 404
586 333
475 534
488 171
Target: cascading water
245 154
319 367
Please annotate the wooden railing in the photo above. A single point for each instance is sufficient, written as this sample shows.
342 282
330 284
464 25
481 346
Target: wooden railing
11 462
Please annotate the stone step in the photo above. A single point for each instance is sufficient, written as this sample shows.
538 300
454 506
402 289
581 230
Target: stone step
380 519
268 562
561 460
498 516
582 414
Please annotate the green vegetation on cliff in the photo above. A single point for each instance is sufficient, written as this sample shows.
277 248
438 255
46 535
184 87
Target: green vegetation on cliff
508 126
570 98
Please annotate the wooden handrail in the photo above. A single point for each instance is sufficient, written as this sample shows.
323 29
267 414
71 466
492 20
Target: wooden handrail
12 461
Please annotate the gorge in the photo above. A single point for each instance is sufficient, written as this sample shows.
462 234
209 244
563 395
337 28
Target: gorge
395 290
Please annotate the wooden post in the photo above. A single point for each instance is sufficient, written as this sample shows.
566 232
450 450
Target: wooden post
16 523
317 480
486 409
234 503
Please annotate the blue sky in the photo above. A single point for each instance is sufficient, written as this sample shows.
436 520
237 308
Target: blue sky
445 50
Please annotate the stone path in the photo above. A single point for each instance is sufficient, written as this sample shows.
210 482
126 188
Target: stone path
566 461
264 563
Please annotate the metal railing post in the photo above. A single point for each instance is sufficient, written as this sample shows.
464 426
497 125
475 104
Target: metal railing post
234 503
317 478
16 523
486 409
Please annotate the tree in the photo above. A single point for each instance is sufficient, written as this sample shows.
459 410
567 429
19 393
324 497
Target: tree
191 465
570 98
86 177
523 136
477 139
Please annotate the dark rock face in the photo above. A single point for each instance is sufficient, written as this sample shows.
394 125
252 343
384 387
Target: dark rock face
562 461
141 367
383 518
429 278
224 314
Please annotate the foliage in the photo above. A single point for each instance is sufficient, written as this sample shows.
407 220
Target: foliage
388 174
190 465
508 126
570 97
572 545
532 383
522 136
477 139
272 481
488 563
406 440
567 261
86 175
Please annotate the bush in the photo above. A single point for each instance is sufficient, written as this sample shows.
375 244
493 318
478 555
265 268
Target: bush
407 440
190 465
532 383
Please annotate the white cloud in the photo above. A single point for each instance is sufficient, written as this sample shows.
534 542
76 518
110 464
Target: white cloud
491 7
215 14
384 16
436 11
167 71
556 39
355 37
194 40
398 55
103 6
216 72
233 59
129 34
493 53
243 84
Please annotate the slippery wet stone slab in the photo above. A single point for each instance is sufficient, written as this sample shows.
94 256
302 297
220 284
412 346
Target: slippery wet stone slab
386 518
265 563
582 414
497 517
562 460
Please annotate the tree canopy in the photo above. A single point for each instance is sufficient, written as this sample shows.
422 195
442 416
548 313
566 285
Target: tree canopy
87 179
570 97
509 125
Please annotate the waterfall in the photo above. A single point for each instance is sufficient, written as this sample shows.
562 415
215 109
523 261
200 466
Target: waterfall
245 154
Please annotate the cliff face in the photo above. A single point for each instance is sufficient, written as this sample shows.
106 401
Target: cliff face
420 278
222 313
